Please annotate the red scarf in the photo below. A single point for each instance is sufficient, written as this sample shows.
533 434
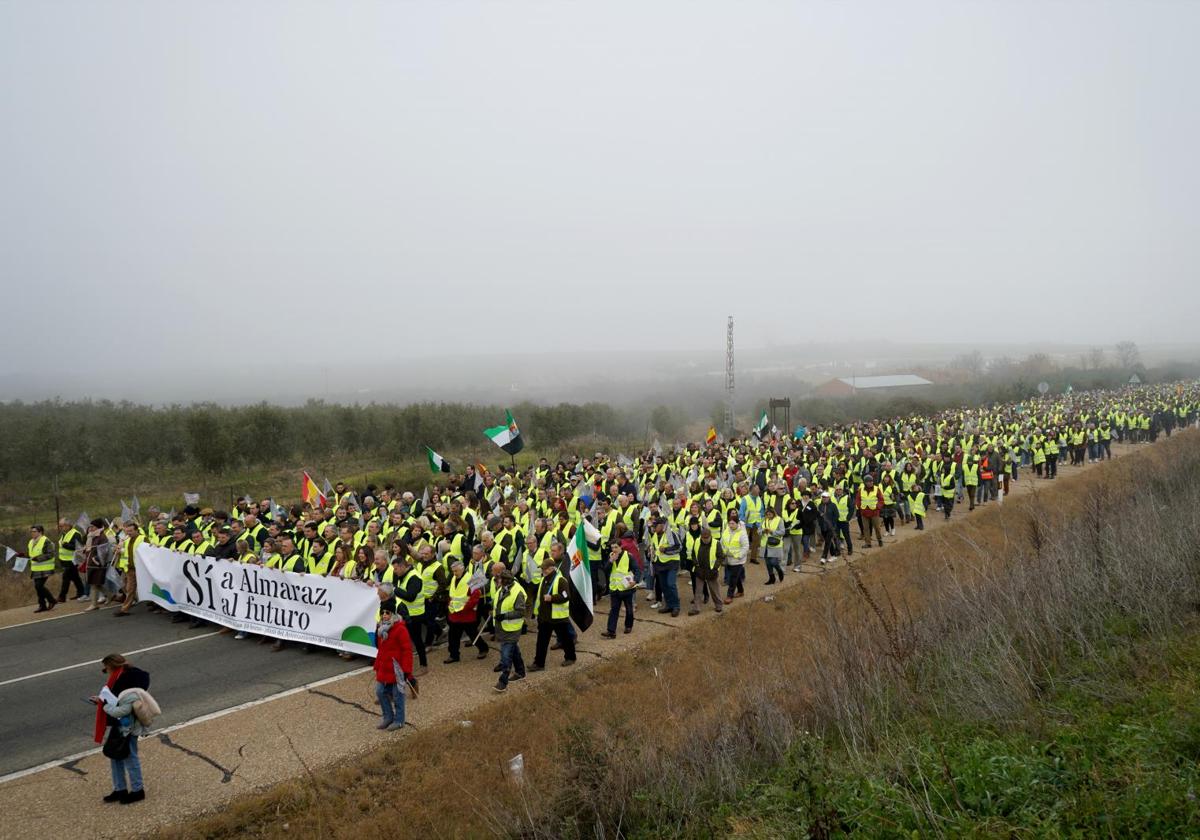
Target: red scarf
101 718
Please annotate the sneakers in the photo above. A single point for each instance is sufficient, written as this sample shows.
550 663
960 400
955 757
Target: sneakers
567 663
607 635
693 611
394 726
452 659
628 630
499 688
516 677
239 634
384 724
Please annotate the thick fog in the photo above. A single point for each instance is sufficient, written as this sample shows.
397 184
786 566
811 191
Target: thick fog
234 200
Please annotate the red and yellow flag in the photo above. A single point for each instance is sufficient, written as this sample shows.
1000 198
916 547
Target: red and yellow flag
311 493
711 437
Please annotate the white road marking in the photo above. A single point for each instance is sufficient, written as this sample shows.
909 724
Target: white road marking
53 618
59 762
97 661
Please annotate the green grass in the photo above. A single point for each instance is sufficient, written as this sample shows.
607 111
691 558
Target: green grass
1110 751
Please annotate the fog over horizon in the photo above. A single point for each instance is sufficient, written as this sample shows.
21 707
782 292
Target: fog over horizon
431 199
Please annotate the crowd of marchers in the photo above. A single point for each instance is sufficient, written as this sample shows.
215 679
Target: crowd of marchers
480 559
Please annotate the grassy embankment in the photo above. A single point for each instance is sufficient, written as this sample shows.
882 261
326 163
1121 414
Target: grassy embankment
25 503
1027 672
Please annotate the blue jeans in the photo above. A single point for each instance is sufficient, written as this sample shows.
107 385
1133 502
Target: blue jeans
391 702
666 576
510 659
131 766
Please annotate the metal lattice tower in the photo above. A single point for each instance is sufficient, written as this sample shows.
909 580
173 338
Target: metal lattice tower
729 385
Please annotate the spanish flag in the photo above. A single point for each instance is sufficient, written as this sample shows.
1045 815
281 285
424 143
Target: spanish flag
711 437
310 493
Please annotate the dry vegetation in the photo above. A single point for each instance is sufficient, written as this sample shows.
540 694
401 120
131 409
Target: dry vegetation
965 623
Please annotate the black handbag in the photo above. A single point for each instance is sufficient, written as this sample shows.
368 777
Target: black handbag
116 746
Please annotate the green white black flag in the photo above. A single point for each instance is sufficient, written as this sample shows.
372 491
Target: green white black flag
507 437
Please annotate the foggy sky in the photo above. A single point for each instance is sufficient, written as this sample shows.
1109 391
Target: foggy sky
304 184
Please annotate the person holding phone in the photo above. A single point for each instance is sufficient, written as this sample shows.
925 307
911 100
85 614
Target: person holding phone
115 714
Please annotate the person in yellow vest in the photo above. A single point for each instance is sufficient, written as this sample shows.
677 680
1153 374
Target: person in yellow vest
462 612
622 584
750 511
41 565
133 538
410 596
735 543
774 530
70 541
916 505
707 557
510 624
554 616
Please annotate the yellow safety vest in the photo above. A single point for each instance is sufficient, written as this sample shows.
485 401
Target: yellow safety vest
620 571
754 510
558 611
460 592
43 564
508 603
429 585
126 556
416 607
66 555
917 500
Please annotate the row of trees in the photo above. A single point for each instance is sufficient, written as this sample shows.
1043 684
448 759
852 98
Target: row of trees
83 437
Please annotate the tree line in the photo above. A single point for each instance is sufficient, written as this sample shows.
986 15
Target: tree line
56 436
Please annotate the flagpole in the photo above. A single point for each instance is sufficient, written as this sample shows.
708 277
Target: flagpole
57 512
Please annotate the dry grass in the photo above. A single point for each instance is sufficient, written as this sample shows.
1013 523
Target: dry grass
965 622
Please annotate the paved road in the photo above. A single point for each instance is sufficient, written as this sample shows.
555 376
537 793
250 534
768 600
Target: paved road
193 673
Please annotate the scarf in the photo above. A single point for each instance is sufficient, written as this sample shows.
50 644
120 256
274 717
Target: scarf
101 717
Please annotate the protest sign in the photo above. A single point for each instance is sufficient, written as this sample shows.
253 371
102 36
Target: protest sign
316 610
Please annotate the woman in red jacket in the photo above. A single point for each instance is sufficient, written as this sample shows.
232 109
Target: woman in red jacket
464 612
393 666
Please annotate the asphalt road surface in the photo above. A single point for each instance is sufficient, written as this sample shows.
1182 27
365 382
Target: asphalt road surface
49 668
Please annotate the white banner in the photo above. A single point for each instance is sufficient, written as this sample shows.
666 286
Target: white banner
317 610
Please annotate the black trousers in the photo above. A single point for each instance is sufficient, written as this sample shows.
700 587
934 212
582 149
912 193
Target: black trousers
457 631
561 633
70 575
416 632
45 599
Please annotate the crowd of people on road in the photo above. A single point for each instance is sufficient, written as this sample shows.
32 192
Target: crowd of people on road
481 557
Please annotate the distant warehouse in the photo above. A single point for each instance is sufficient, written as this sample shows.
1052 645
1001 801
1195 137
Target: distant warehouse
847 386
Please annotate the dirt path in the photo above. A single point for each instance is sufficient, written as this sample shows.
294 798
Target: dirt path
200 766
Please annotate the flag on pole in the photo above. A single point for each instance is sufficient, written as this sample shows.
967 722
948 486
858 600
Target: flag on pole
126 513
507 437
583 547
328 490
9 554
711 437
83 521
310 493
425 500
761 427
191 499
437 463
136 506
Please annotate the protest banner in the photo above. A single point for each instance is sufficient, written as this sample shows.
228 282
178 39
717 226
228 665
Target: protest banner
316 610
